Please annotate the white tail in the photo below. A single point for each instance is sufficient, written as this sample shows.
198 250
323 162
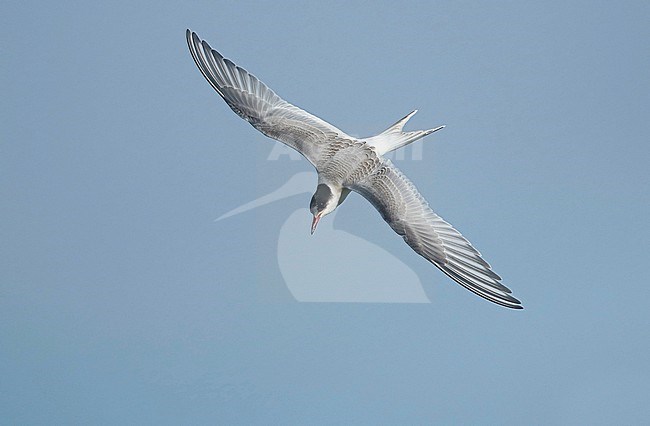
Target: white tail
394 138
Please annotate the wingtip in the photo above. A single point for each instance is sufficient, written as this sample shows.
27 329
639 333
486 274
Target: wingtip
517 303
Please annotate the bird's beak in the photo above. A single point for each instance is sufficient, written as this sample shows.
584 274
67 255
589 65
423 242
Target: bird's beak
314 223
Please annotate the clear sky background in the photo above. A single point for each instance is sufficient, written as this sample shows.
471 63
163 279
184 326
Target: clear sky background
122 301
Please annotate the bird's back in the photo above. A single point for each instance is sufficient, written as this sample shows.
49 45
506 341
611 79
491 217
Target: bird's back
347 162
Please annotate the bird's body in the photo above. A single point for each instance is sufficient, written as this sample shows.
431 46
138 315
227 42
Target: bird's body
346 164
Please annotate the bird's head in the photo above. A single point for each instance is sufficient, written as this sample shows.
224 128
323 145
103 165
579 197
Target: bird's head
323 202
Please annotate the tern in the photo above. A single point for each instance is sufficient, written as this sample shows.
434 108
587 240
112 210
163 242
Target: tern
345 163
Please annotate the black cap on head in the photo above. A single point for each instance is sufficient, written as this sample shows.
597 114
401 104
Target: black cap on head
321 197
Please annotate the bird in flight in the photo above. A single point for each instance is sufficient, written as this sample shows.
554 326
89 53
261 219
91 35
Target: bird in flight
345 163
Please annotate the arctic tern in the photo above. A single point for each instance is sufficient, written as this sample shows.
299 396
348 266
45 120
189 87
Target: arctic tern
345 163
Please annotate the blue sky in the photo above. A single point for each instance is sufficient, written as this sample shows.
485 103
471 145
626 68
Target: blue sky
122 300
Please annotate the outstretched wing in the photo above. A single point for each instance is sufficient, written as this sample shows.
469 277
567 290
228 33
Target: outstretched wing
408 213
260 106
